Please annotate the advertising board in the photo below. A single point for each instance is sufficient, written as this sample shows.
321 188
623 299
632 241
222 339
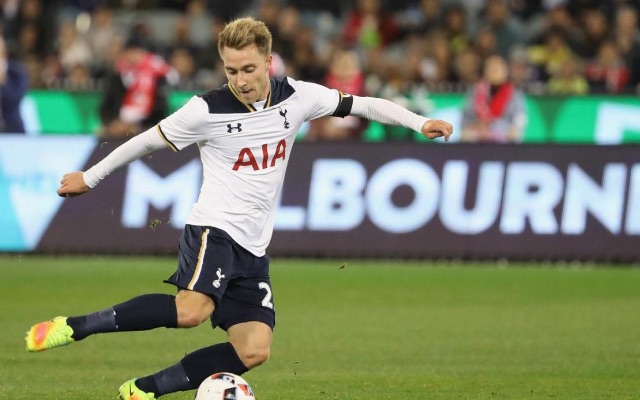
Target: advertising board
343 200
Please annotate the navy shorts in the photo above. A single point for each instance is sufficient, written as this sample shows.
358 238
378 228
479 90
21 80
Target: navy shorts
211 262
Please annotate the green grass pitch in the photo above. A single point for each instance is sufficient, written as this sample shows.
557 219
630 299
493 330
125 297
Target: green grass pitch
367 330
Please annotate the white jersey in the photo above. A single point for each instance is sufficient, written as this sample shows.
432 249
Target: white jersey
245 152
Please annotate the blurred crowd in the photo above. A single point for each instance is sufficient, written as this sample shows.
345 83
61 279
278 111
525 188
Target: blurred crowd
395 49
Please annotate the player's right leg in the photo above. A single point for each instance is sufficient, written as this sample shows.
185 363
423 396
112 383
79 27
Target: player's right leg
141 313
49 334
138 314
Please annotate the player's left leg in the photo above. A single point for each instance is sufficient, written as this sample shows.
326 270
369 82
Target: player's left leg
246 312
248 347
252 342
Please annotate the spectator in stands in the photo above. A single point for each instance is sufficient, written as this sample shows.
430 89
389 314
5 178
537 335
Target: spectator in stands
143 34
13 86
39 17
595 31
345 74
549 56
556 21
473 10
526 10
627 38
183 63
306 63
394 85
522 73
52 73
78 79
485 43
568 79
33 65
577 7
607 72
27 41
420 17
455 27
375 71
135 94
269 12
315 7
102 33
285 32
209 65
72 48
466 68
434 67
504 26
182 36
555 31
369 26
226 9
27 51
495 109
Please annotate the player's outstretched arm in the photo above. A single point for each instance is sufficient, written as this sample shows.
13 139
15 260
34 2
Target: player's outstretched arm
76 183
388 112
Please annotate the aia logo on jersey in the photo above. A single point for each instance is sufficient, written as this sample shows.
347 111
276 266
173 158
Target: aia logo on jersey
283 113
246 158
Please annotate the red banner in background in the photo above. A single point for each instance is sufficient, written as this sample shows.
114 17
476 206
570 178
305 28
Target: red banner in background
540 202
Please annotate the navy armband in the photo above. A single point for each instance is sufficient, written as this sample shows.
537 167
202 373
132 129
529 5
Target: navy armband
344 106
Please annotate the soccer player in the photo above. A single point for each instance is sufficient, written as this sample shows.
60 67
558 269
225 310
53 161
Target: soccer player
245 131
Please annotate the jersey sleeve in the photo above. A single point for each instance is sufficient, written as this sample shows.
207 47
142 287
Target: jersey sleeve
386 112
321 101
134 148
186 125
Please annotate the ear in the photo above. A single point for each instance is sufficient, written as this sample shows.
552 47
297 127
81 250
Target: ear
268 60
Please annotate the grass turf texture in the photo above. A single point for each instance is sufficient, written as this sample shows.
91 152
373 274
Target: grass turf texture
368 330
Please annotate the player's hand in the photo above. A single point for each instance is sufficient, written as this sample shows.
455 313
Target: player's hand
72 185
435 128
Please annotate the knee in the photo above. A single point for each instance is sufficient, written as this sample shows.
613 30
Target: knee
252 342
253 356
190 320
193 308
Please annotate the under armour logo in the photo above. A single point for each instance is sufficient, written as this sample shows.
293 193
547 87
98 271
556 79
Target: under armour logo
283 113
216 283
231 128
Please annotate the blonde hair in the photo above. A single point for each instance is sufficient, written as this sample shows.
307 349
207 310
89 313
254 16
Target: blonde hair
243 32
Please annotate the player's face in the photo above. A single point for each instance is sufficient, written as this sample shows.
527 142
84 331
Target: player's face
248 72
